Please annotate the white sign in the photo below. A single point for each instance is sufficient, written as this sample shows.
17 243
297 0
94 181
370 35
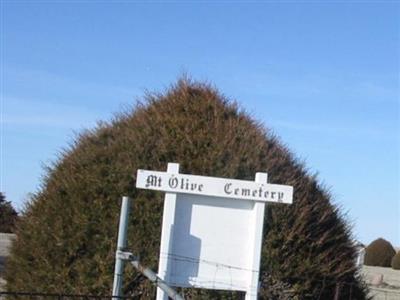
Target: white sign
212 228
213 186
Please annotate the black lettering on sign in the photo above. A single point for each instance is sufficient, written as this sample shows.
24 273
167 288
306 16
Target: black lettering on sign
280 196
183 183
173 182
193 186
245 192
153 180
227 188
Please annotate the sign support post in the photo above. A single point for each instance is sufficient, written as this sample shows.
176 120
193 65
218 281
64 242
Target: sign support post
255 256
167 225
121 256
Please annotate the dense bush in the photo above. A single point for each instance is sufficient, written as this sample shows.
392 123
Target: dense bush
273 289
379 253
67 236
396 261
8 215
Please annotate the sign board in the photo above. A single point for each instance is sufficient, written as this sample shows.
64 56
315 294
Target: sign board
214 186
212 228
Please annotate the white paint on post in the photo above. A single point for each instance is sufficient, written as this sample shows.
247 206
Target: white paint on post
360 256
167 233
257 232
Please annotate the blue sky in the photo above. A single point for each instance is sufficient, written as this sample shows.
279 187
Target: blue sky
324 76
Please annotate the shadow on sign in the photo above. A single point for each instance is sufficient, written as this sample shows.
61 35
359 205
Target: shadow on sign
183 265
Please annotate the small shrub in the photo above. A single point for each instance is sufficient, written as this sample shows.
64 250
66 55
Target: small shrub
396 261
379 253
8 215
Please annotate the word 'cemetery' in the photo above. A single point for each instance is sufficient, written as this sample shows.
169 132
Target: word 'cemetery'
255 193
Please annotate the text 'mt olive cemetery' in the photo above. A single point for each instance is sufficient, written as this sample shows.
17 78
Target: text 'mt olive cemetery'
214 186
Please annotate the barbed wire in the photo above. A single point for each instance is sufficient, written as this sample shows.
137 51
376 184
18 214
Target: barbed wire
229 285
41 295
181 258
198 261
36 295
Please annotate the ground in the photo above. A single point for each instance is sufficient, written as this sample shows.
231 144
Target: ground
389 289
5 241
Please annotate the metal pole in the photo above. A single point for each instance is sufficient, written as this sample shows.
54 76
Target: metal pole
157 280
121 246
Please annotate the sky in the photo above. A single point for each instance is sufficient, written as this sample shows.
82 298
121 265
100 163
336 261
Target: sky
323 76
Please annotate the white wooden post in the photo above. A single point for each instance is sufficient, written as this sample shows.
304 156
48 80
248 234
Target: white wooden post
167 233
255 256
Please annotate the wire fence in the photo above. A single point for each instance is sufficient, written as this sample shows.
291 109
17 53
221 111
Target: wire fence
223 278
60 296
327 288
375 293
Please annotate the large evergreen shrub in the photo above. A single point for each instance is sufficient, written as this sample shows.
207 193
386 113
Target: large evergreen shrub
379 253
396 261
67 236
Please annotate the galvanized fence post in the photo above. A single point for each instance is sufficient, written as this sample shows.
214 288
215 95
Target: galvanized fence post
121 246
